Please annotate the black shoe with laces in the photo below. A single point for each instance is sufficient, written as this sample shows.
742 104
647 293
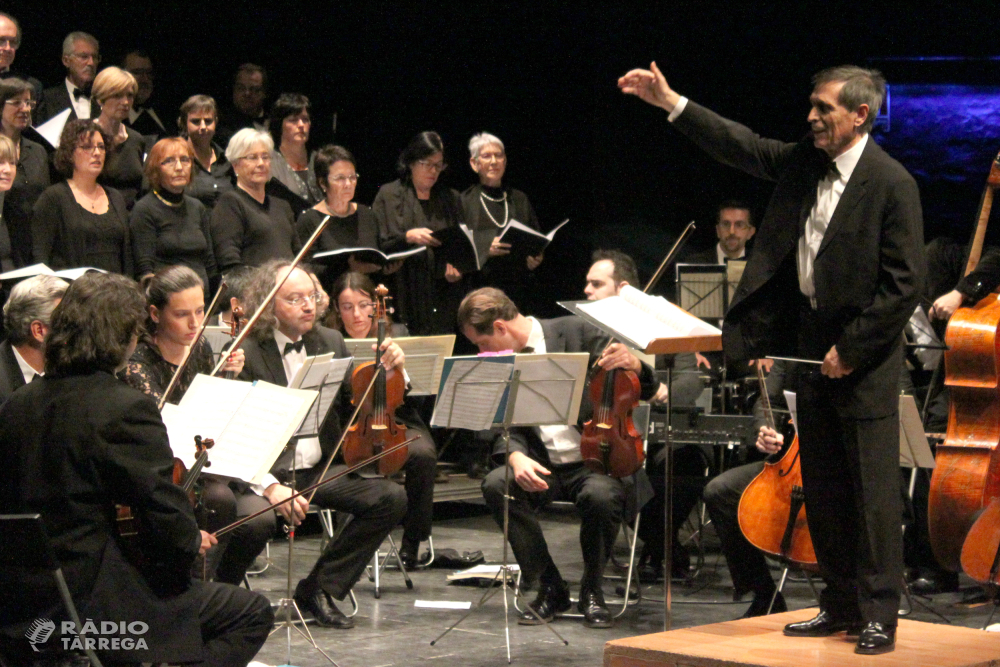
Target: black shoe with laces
552 599
594 609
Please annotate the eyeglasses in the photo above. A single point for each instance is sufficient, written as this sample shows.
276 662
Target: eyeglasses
257 157
315 297
343 179
434 166
491 157
182 160
9 42
84 57
22 104
363 307
90 148
739 225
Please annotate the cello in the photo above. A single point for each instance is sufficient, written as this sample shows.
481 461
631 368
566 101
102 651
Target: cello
772 511
967 464
376 429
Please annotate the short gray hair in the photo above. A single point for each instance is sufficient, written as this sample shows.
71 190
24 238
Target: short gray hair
241 143
477 142
861 86
79 36
30 300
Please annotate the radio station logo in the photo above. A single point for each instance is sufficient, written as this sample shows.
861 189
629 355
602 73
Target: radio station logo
101 636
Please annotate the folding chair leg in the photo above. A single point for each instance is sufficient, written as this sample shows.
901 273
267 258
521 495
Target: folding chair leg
631 569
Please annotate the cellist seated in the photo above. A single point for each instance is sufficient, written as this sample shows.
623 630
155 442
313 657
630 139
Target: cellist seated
545 461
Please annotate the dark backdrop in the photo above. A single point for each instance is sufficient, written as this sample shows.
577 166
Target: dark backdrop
542 77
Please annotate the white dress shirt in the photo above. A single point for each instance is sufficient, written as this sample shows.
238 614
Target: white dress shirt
828 193
27 372
561 442
308 451
82 105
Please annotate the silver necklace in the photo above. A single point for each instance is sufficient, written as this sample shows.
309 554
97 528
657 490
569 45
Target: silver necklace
506 210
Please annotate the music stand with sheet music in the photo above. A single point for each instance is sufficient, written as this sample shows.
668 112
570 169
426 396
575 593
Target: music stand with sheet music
703 290
425 357
482 392
319 373
698 342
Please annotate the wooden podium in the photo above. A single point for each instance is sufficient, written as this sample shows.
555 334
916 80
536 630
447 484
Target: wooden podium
758 642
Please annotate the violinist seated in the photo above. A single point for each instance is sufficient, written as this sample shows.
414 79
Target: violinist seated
546 462
76 442
26 316
747 566
278 346
175 303
354 296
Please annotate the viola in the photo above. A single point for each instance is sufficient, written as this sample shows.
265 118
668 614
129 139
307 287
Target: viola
610 444
772 511
967 464
375 428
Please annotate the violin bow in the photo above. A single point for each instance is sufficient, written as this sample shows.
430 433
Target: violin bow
270 296
194 345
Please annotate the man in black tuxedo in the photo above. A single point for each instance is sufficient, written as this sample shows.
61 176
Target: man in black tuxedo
837 270
282 339
81 56
545 461
76 443
142 117
26 319
734 228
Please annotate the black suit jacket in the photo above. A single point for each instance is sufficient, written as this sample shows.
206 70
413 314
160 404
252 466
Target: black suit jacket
73 448
263 362
868 274
10 372
54 100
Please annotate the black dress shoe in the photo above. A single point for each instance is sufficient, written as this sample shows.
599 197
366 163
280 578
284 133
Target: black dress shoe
823 625
761 602
876 638
594 609
408 553
942 582
551 600
322 608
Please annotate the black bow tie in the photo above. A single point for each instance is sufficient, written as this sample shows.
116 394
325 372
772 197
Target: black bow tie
832 171
79 94
293 346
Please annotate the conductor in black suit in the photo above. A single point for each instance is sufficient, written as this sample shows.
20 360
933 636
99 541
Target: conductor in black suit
837 270
75 443
26 317
282 339
545 461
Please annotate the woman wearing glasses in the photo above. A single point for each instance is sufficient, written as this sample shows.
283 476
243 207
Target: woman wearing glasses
248 226
78 222
409 210
32 166
114 91
211 172
169 227
353 302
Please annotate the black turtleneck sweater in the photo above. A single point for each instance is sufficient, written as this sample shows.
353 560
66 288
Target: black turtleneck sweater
170 229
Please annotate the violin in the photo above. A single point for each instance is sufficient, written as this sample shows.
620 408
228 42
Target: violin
966 475
772 511
611 444
376 429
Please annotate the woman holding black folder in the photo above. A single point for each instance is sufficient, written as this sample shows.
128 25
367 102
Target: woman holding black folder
409 211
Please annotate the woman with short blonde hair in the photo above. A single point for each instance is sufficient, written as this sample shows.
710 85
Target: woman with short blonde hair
114 91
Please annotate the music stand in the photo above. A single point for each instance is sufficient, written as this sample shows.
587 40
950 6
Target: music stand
703 289
535 374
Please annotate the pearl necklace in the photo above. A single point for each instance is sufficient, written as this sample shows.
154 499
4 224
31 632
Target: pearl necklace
506 210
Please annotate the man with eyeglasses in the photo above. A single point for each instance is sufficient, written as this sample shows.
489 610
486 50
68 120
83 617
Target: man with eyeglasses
10 42
280 343
734 228
81 56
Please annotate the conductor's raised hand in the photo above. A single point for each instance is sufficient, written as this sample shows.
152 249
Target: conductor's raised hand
527 472
769 441
650 86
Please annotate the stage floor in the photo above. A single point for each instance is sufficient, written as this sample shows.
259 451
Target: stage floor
391 631
758 642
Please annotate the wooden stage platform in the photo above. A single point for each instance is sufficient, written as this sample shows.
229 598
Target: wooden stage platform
758 642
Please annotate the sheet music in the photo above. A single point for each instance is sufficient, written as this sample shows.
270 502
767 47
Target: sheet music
474 405
323 374
180 431
217 337
643 318
790 401
914 451
550 389
52 129
700 289
425 357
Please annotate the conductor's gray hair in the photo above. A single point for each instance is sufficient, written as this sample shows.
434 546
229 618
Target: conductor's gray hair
30 300
79 36
477 142
861 86
243 141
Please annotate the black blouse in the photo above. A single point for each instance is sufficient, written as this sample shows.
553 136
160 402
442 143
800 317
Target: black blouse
207 185
150 373
67 236
123 167
357 230
246 232
170 229
29 183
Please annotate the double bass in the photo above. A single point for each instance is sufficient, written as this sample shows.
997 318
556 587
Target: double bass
967 464
772 511
376 429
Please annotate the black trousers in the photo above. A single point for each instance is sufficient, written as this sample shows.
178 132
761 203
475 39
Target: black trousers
850 475
225 503
376 506
235 623
421 467
686 487
600 500
747 565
